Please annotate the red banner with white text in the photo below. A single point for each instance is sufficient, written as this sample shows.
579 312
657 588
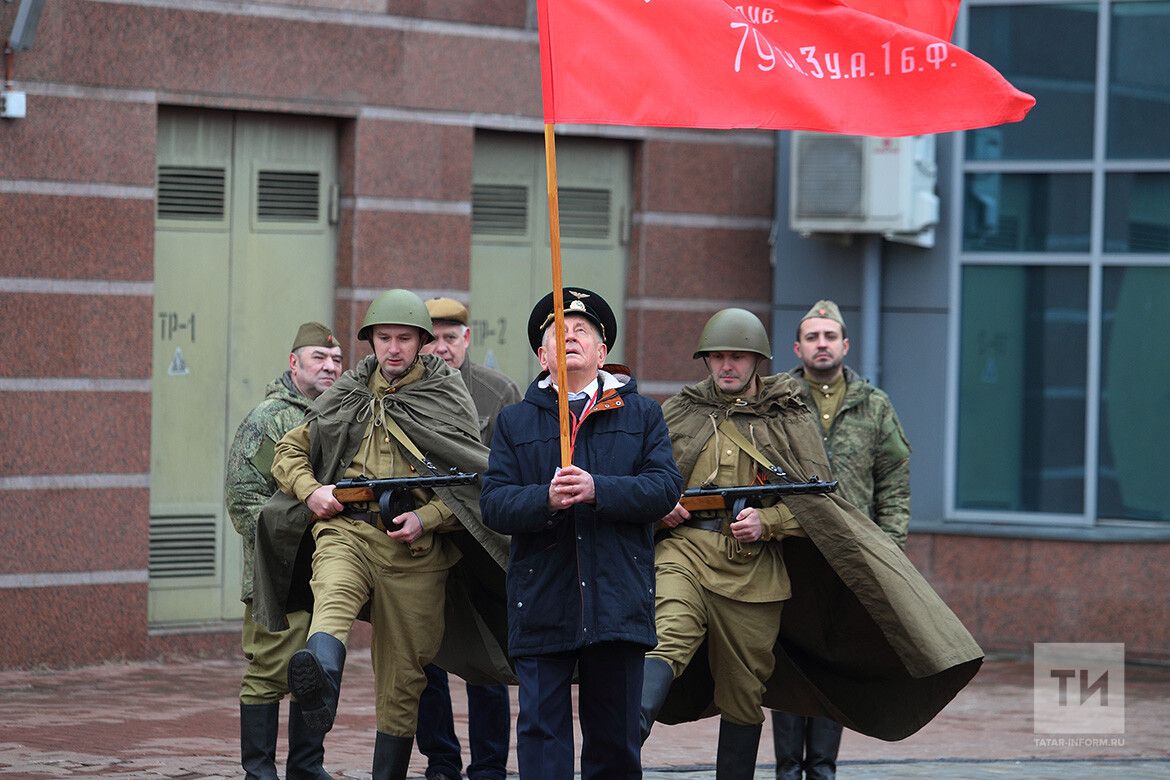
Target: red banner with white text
773 64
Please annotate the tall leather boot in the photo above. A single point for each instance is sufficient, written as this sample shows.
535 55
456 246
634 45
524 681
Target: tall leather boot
391 756
656 679
738 745
306 749
258 740
824 740
314 677
788 735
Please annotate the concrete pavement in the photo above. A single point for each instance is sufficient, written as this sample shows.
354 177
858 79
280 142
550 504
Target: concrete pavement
180 720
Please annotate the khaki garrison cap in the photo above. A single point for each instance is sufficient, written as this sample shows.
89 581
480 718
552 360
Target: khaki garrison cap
313 334
827 309
448 310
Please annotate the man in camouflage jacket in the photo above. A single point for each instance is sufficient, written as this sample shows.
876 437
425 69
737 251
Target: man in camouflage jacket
870 458
314 364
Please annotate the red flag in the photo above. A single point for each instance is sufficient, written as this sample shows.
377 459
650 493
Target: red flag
933 17
770 64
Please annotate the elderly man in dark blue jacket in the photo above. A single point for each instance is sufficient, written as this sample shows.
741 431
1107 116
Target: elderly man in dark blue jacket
581 574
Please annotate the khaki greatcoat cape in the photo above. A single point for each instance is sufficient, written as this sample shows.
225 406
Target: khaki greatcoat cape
864 639
436 413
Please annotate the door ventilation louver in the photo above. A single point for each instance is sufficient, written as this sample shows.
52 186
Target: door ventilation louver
182 547
584 212
288 196
190 193
499 210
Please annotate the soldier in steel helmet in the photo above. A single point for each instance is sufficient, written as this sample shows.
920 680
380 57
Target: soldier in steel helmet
720 577
314 364
870 458
397 413
743 623
580 579
489 715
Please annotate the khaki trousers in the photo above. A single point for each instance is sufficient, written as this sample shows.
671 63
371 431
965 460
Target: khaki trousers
740 636
355 563
266 676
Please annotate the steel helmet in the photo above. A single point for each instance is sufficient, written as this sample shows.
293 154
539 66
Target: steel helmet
734 330
397 307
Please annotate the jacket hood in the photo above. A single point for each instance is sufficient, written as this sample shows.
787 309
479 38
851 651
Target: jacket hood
283 389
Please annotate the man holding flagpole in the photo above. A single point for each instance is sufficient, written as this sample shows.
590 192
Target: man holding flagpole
581 574
843 66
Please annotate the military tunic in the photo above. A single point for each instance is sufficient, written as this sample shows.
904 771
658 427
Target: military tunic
710 585
248 485
355 562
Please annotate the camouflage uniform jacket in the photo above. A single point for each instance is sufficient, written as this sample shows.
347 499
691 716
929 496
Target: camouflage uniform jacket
869 454
249 481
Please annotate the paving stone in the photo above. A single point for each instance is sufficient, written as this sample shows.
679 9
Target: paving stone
179 720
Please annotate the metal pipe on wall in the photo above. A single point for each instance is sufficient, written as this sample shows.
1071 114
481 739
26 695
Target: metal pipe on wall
871 307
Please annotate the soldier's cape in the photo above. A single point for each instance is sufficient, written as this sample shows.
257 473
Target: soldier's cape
437 415
864 639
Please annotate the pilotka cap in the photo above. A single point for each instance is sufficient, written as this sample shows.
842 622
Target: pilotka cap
313 334
826 309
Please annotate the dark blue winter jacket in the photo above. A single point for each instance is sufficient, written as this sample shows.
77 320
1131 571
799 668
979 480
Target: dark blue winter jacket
584 574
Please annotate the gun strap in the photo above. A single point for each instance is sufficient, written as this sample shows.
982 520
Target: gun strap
730 431
397 432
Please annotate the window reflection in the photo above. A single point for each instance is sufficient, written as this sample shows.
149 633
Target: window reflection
1135 372
1050 52
1022 389
1139 81
1137 212
1026 212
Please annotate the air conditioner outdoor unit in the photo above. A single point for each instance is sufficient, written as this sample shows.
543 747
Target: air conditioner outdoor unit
862 184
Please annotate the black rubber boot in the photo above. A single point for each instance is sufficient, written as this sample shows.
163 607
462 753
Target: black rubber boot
824 740
391 756
788 735
656 679
258 740
306 749
314 677
738 745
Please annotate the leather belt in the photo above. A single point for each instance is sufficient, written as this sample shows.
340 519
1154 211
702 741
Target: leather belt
715 524
371 518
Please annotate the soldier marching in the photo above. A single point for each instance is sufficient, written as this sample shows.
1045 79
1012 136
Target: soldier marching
713 615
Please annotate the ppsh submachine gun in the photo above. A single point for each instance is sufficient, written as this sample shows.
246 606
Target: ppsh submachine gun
712 497
393 494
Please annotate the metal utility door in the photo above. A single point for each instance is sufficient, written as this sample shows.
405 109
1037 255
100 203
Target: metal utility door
510 253
245 249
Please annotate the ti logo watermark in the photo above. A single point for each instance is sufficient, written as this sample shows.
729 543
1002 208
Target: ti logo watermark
1078 689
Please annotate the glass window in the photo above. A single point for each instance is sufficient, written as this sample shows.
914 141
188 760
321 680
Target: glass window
1139 81
1050 52
1133 481
1022 389
1026 212
1137 212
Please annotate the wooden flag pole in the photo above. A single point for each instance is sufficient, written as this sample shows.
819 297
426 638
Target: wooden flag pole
554 239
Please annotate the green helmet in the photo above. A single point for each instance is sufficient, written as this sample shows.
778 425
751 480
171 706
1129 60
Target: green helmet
734 330
397 307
